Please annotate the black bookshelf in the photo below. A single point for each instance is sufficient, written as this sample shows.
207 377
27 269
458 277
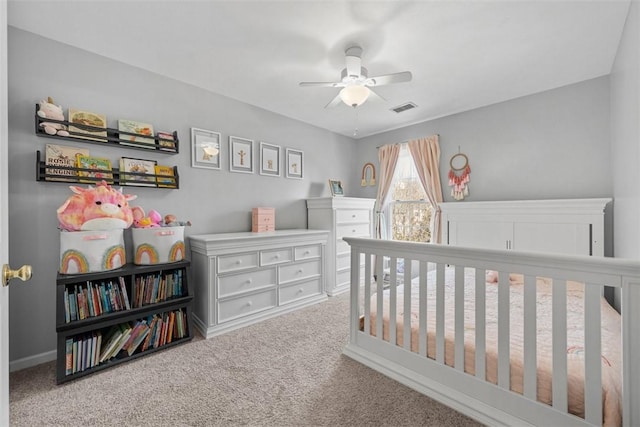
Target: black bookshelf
102 321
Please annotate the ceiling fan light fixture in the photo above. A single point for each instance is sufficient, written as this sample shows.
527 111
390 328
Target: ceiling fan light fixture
354 95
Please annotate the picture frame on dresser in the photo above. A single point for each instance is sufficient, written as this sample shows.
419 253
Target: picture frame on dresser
240 155
205 149
337 190
295 163
269 159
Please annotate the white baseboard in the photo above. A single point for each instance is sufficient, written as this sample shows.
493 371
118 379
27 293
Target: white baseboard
27 362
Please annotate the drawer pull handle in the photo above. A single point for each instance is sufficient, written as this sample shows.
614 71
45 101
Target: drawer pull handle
353 216
300 290
248 282
249 303
277 256
353 231
300 271
239 261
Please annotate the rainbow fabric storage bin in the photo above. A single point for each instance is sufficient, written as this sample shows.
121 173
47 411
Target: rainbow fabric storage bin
90 251
158 245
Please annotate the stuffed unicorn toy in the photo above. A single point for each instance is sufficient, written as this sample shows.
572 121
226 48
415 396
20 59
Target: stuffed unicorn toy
96 208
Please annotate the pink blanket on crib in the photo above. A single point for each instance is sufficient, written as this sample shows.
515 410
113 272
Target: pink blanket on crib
611 339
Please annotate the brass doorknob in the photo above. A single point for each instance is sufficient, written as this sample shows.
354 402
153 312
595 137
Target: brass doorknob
23 273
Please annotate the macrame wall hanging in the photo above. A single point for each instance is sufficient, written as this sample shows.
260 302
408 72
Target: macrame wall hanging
459 176
368 167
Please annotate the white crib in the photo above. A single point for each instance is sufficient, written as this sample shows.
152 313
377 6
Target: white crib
440 357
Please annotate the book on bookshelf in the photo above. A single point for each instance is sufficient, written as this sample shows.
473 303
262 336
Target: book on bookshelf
166 141
69 356
64 157
141 172
141 130
165 176
87 124
94 169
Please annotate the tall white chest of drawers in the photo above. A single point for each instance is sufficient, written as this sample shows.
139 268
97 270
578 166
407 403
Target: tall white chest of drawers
343 217
242 278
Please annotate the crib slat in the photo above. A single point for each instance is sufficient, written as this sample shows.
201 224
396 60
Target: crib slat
367 292
379 296
559 345
530 341
440 313
393 299
480 352
422 328
459 318
406 339
503 331
593 350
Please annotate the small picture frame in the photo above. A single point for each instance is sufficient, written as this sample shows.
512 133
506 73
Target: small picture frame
269 159
205 149
240 154
336 188
295 163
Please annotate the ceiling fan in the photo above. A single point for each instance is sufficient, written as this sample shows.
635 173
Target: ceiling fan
355 81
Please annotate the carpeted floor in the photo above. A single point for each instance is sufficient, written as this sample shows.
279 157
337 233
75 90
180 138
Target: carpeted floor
287 371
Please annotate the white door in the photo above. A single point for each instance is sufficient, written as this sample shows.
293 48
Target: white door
4 246
5 272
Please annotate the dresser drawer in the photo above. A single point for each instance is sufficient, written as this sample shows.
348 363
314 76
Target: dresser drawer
235 262
352 215
244 282
352 230
299 291
299 271
275 256
234 308
342 247
308 252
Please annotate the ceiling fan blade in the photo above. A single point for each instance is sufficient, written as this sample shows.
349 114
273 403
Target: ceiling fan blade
353 61
335 101
387 79
374 96
322 84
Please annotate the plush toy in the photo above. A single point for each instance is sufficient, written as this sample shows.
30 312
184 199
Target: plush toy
141 221
96 208
170 220
49 110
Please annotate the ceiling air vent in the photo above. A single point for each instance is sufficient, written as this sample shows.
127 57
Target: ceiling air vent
404 107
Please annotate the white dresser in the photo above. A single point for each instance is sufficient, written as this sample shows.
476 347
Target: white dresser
343 217
567 226
243 278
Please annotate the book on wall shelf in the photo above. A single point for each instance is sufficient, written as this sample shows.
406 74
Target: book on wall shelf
65 157
165 176
139 168
142 130
86 124
166 141
94 168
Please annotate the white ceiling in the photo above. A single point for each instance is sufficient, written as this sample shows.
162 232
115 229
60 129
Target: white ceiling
463 54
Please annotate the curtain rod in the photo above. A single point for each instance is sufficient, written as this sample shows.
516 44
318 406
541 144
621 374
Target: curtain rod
400 143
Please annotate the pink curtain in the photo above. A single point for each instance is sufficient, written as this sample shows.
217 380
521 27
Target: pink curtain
388 157
426 156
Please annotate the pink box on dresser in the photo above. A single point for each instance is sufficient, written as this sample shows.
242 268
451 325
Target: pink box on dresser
263 219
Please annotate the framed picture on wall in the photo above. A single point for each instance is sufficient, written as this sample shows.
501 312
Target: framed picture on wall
295 163
240 154
269 159
205 149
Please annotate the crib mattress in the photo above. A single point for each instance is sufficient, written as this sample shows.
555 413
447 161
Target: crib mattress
611 337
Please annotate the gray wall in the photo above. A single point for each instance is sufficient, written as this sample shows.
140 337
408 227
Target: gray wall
625 138
215 201
549 145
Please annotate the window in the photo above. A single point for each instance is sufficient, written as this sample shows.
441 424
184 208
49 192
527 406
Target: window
408 210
